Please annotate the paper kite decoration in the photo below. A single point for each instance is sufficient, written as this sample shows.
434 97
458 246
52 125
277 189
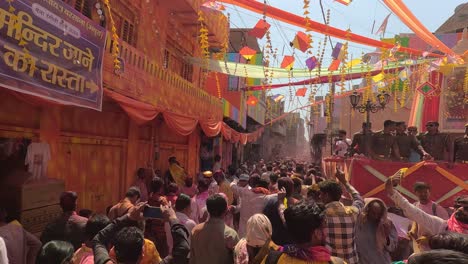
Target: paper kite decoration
252 100
277 97
211 4
426 89
311 63
301 41
344 2
353 63
338 51
334 65
377 78
301 92
260 29
247 53
288 62
404 74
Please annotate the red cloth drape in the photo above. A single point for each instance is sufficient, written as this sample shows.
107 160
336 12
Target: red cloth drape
299 21
138 111
211 129
180 124
432 103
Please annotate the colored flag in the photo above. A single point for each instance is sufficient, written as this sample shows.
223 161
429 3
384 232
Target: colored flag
288 62
404 74
260 29
311 63
383 27
301 41
301 92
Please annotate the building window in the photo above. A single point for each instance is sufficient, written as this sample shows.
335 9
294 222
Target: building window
187 71
128 32
166 59
84 7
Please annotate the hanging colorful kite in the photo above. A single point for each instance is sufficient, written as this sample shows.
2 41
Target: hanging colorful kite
344 2
426 89
252 100
301 41
277 97
288 62
260 29
301 92
338 51
213 5
334 65
311 63
247 53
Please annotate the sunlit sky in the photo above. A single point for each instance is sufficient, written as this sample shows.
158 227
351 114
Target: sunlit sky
359 16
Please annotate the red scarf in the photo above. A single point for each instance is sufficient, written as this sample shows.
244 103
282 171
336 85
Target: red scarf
456 226
260 190
316 253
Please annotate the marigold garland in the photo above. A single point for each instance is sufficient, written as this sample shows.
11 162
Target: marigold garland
465 86
115 38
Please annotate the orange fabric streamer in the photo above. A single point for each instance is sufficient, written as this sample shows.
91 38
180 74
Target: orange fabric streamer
180 124
296 20
402 11
211 129
138 111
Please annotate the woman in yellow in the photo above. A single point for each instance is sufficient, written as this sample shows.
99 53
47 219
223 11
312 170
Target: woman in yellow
305 222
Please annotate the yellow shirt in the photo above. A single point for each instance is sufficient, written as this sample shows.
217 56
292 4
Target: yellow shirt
150 253
226 189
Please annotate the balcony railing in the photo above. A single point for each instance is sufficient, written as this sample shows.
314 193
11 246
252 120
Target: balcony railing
145 80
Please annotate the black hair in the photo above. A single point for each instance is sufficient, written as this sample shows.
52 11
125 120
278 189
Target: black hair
297 183
128 244
262 183
439 256
141 173
388 123
299 168
419 186
435 123
202 185
274 177
55 251
232 170
400 123
156 184
283 174
95 224
254 179
332 188
287 184
183 201
85 213
342 132
217 158
364 124
172 160
269 167
302 219
216 205
172 188
133 192
308 181
449 240
68 201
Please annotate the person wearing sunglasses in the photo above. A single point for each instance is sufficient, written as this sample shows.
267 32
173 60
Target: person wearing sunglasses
437 144
461 147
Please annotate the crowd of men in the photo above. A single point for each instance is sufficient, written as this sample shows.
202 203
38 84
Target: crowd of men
398 142
277 212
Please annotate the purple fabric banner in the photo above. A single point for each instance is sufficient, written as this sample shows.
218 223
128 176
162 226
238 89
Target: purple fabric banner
50 50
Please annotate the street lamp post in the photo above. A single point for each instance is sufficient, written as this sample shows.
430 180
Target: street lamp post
368 107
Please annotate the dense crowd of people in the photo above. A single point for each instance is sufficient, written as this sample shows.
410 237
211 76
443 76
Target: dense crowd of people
276 212
398 142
